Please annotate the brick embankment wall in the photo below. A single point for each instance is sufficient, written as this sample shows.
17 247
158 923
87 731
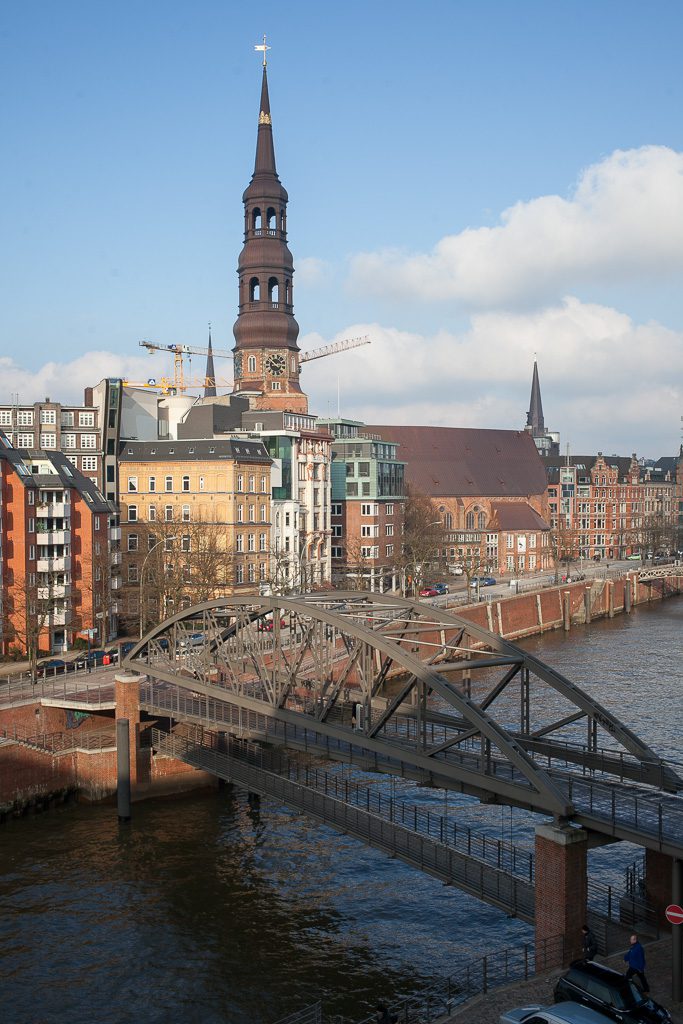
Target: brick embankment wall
539 611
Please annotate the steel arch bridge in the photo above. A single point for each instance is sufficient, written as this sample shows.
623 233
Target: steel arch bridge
413 689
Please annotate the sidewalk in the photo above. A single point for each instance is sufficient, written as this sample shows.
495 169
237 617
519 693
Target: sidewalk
486 1009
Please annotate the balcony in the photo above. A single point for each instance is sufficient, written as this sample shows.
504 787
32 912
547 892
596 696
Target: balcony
56 590
116 558
53 536
60 617
52 510
116 583
114 533
60 564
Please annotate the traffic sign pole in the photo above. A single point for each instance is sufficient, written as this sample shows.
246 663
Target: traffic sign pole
677 931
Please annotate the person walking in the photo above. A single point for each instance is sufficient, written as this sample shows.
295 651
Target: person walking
590 946
635 958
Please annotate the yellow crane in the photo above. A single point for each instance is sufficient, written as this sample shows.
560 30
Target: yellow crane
180 384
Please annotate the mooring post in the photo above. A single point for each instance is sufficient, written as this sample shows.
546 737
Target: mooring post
627 595
610 599
123 769
587 604
567 615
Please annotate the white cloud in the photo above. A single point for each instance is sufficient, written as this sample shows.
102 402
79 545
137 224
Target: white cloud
607 383
311 271
623 221
65 382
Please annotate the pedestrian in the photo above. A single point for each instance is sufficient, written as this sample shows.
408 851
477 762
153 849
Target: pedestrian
635 958
590 946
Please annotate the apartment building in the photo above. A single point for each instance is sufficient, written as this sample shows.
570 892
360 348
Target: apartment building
611 507
75 430
55 546
195 523
368 495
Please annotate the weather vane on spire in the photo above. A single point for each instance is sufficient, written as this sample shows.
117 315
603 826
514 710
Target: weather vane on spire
262 46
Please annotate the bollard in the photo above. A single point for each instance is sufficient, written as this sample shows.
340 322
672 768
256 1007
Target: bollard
627 595
587 604
123 769
566 617
610 599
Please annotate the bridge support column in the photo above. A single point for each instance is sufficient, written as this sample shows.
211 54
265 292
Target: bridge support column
658 879
127 696
561 893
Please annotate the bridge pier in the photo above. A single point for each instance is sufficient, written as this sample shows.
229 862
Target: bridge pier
127 696
561 892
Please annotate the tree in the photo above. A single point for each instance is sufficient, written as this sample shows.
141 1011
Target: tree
564 545
424 538
29 604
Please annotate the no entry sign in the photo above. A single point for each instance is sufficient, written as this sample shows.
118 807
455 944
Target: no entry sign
674 914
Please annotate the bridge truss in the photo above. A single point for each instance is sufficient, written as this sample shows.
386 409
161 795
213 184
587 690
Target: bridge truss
408 688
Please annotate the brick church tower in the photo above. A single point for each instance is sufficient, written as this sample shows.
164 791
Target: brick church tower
266 354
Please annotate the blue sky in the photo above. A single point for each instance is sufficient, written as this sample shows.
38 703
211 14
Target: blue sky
471 183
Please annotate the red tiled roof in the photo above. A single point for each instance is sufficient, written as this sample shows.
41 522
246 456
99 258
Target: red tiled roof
463 461
517 515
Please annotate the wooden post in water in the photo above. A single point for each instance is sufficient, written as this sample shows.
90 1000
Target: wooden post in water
566 613
123 769
587 604
627 595
610 599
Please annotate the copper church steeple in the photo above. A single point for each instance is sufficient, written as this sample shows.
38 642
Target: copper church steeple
266 354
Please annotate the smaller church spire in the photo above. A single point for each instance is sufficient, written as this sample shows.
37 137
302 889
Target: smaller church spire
210 378
534 418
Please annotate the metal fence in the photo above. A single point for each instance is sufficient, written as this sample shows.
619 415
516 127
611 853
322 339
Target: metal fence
309 1015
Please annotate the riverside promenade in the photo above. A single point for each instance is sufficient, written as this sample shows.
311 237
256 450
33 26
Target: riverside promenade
486 1009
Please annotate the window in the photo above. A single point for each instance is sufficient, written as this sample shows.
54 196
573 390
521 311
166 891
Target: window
263 485
239 542
262 512
168 483
186 542
251 364
240 482
86 419
337 552
132 573
251 542
337 530
68 440
67 419
251 482
239 569
532 540
369 531
363 469
152 513
48 416
31 526
186 514
31 498
368 510
186 483
469 521
132 483
240 513
509 540
369 552
390 549
48 440
151 541
25 418
252 572
262 541
168 543
152 484
132 542
132 513
88 440
275 385
25 440
201 483
262 571
5 417
252 513
89 463
168 513
336 509
32 552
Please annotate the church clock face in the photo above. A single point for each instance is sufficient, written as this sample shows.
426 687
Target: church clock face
237 365
275 364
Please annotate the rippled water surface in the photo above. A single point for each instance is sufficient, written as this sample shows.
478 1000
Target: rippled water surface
207 909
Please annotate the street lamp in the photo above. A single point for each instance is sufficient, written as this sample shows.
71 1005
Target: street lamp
163 540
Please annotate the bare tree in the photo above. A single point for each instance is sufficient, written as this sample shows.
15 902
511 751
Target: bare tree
28 607
424 539
564 545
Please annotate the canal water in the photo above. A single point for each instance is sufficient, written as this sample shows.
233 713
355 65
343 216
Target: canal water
206 909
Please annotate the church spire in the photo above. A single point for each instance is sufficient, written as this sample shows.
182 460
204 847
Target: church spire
534 419
210 376
266 363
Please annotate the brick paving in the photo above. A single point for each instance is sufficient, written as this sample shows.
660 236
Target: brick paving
486 1009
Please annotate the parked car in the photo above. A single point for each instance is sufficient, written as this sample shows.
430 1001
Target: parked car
608 992
90 658
440 588
633 558
127 646
429 592
193 640
52 667
561 1013
482 581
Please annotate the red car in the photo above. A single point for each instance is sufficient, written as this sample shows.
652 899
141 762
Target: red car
429 592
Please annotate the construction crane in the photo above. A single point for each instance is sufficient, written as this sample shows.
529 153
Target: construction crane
180 384
167 386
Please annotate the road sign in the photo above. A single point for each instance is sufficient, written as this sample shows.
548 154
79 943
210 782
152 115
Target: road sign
674 914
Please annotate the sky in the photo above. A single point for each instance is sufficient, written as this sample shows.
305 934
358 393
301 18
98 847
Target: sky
474 184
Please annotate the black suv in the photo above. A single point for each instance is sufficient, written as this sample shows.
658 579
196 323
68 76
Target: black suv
608 992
